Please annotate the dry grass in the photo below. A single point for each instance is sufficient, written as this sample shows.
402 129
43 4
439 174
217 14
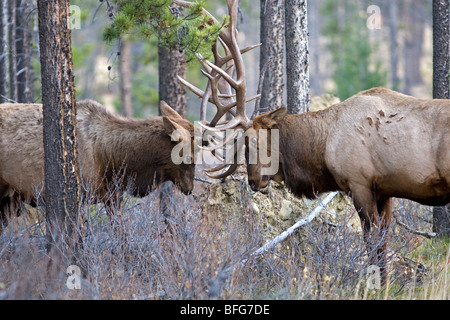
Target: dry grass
194 250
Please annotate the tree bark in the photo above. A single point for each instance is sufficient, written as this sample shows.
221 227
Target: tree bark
24 51
412 49
297 56
125 79
272 39
4 55
441 68
12 50
58 98
172 62
393 27
314 31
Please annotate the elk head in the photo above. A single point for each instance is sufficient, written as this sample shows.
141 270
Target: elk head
175 154
262 150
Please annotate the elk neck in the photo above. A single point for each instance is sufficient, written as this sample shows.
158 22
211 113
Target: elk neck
303 140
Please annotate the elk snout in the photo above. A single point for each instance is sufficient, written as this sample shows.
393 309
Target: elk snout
187 192
253 185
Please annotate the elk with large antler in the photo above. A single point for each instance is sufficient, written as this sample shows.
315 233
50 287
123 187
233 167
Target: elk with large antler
374 146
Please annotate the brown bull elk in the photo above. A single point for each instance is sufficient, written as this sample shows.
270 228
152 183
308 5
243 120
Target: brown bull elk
137 150
374 146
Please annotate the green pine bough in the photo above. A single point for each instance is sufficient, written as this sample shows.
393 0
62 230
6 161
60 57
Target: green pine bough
186 28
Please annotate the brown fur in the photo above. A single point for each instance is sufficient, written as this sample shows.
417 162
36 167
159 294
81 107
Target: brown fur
139 150
375 145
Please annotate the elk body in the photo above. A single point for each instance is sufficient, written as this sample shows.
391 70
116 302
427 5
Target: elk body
109 146
374 146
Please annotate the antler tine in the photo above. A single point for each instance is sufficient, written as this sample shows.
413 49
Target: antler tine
221 83
225 174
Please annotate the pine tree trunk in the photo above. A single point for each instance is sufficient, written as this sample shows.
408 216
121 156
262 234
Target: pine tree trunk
58 98
172 63
314 31
4 57
393 27
412 48
272 39
125 79
441 68
12 50
24 51
297 56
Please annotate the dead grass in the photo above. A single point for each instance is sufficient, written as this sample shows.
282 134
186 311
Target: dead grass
195 250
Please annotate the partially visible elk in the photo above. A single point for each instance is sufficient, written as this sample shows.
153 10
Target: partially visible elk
374 146
138 151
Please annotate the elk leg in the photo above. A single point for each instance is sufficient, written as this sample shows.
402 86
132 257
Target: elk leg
9 207
4 206
384 207
375 217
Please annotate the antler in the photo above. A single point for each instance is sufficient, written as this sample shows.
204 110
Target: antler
221 85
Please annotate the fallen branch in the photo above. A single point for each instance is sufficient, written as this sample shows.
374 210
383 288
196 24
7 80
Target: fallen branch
272 243
428 235
204 180
216 283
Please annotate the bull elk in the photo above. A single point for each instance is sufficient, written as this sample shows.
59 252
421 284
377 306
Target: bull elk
374 146
138 150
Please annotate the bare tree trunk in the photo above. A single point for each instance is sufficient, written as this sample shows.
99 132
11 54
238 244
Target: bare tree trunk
441 68
393 27
314 31
12 50
172 63
58 98
412 49
24 45
4 53
297 56
272 39
125 79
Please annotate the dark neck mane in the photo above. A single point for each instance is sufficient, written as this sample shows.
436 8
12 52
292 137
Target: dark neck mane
303 140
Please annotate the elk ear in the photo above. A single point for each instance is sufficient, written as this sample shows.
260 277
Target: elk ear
173 129
167 111
271 118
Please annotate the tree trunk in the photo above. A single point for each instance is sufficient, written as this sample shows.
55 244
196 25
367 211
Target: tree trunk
4 53
297 56
125 79
172 62
412 49
24 51
12 50
393 27
58 98
314 31
441 68
272 39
